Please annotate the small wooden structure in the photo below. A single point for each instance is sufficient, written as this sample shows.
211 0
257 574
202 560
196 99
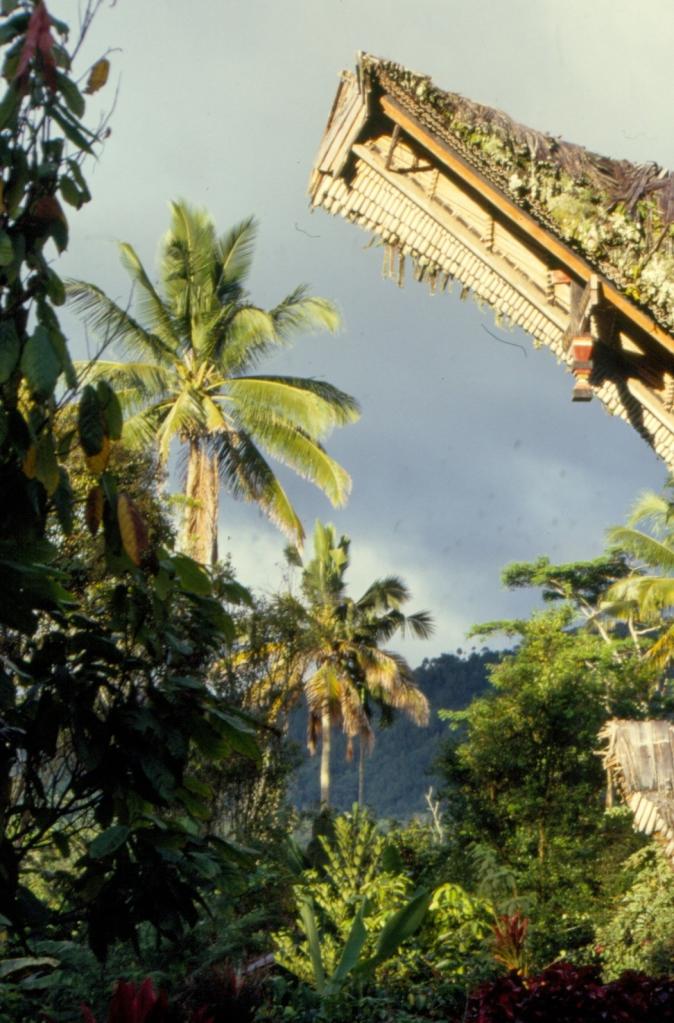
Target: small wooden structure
575 249
639 758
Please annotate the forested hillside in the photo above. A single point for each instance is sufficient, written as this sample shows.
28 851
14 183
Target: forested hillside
400 765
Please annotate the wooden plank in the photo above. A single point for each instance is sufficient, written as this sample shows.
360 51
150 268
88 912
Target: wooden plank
581 308
646 398
664 764
570 259
467 238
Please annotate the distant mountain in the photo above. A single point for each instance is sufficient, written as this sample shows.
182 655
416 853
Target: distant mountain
399 769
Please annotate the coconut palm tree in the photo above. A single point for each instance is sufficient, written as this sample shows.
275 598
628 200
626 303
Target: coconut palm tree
645 599
192 346
350 672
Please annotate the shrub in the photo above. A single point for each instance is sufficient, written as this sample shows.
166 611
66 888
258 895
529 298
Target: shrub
640 933
571 994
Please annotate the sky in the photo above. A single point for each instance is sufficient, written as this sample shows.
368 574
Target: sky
469 454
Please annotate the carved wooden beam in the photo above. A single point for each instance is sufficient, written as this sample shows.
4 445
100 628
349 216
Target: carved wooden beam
561 252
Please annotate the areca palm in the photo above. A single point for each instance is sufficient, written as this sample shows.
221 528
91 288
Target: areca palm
647 595
350 672
192 347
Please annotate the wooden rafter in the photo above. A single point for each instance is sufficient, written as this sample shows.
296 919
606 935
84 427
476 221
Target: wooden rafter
387 163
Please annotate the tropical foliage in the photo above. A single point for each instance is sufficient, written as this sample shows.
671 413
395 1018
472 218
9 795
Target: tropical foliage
191 349
102 658
350 672
144 697
645 598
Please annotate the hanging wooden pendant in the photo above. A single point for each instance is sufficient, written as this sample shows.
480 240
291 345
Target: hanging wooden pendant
581 350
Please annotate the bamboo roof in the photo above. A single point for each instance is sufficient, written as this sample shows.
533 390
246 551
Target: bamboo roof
639 757
556 239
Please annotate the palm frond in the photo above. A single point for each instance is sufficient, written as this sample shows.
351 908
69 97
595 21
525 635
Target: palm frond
140 430
389 592
114 325
246 474
662 651
650 594
354 716
148 381
312 405
292 447
651 551
392 682
653 511
188 257
299 312
421 624
322 688
234 251
149 304
185 416
240 337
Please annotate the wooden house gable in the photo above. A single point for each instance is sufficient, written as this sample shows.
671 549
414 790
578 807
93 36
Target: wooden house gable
639 758
388 163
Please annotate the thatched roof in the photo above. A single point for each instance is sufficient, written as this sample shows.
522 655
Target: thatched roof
558 240
639 756
613 211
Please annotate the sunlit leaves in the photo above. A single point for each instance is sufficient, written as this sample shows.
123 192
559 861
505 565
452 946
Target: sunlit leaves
6 249
98 76
109 841
93 509
97 463
132 528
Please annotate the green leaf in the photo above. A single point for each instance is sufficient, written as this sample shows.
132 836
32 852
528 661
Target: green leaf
308 918
15 967
70 192
235 593
398 927
10 349
71 131
350 953
391 859
402 925
58 230
40 364
79 179
55 288
109 841
90 421
62 842
63 502
191 575
13 26
112 409
9 106
6 249
46 465
240 740
71 94
61 348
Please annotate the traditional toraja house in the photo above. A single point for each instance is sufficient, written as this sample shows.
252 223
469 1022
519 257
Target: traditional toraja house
576 249
639 758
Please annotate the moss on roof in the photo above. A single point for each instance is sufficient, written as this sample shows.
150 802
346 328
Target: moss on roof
618 215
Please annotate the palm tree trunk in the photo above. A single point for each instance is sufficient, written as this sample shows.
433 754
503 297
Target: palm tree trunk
200 527
361 771
326 734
